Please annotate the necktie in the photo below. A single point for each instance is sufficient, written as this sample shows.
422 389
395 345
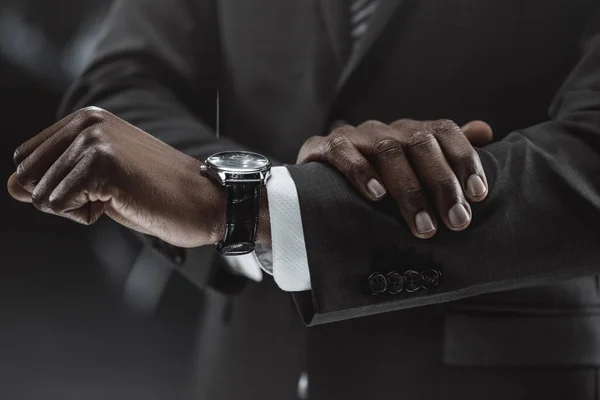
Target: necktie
360 12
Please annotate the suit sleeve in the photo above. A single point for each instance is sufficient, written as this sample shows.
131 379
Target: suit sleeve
540 223
156 65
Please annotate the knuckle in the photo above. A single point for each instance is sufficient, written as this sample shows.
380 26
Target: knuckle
412 195
444 126
413 191
339 141
446 182
310 145
372 125
387 147
53 204
420 139
101 154
39 201
311 140
105 150
342 130
309 150
93 113
402 121
335 144
406 124
92 136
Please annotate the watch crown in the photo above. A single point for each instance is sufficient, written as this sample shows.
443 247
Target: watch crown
203 168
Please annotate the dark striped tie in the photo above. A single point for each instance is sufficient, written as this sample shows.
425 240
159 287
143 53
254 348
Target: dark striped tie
360 12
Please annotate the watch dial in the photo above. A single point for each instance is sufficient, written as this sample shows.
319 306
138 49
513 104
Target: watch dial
238 160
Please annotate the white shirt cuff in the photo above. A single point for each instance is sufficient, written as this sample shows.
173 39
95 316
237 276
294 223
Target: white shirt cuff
290 261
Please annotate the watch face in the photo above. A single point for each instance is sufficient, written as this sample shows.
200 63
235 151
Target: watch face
239 161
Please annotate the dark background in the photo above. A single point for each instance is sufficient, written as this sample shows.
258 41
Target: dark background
70 329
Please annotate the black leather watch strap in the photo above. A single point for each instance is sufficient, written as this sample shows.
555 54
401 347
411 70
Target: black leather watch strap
243 200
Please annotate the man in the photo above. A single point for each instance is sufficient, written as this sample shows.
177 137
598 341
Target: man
287 69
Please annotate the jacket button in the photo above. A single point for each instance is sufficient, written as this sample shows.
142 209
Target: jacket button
412 281
395 282
377 283
431 278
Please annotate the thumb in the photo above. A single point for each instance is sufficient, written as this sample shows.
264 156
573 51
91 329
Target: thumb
478 133
16 190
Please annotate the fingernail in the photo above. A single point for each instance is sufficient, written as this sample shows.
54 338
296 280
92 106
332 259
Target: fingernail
458 216
376 188
424 223
475 186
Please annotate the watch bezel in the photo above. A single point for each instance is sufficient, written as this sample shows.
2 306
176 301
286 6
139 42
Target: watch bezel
229 175
244 170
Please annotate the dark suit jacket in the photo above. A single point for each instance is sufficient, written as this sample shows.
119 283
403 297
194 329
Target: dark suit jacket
529 68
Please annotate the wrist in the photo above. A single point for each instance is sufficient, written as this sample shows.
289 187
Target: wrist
217 216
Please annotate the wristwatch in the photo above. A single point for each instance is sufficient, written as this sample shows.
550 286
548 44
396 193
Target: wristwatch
243 174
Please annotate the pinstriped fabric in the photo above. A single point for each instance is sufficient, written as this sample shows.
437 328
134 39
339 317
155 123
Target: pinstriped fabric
360 13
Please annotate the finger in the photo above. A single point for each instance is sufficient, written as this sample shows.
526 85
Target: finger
310 149
83 198
25 149
71 197
54 175
398 176
340 152
428 160
463 158
16 190
478 133
33 168
84 117
459 153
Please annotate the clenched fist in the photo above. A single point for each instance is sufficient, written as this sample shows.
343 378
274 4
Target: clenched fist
429 167
92 163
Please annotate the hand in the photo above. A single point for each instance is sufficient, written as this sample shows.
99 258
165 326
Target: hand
92 163
426 166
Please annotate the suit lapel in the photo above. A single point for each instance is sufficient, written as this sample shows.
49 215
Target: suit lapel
384 13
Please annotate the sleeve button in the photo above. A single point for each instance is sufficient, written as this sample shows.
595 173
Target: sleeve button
431 279
395 282
412 281
377 283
